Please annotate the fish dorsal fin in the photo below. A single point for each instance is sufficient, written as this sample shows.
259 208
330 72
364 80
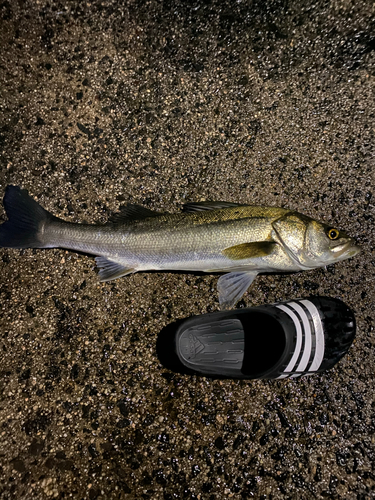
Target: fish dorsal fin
209 205
132 212
110 270
232 286
249 250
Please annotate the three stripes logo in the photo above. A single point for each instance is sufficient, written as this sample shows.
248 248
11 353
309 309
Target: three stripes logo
309 349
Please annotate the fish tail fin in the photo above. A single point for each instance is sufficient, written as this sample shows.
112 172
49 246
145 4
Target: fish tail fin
27 220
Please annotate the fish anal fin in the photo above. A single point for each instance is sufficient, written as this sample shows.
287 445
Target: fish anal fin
232 286
110 270
249 250
209 205
132 212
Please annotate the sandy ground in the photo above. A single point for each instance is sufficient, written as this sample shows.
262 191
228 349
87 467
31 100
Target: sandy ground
159 103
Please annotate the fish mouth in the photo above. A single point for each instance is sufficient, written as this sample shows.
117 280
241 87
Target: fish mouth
345 249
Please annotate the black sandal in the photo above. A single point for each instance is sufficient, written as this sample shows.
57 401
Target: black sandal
287 339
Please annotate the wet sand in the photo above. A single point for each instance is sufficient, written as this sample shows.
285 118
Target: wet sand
160 103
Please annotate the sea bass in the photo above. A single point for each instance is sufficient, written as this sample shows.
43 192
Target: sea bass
239 240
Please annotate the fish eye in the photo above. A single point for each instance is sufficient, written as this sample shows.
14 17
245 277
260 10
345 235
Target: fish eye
333 234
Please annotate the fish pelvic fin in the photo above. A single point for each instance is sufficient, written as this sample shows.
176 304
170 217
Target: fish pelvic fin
111 270
232 286
26 222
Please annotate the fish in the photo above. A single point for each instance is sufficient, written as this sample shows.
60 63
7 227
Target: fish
213 237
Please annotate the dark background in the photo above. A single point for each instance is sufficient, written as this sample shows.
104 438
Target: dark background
159 103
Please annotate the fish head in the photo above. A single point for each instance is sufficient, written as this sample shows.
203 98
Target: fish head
311 243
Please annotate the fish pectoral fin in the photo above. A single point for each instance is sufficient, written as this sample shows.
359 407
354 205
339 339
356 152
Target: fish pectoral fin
110 270
249 250
131 212
232 286
209 205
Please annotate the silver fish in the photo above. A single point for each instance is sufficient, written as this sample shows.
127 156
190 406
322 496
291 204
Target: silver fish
239 240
